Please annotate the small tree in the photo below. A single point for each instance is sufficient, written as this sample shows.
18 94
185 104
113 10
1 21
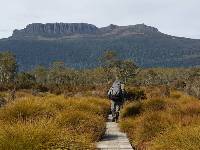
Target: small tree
40 73
57 73
8 68
127 70
57 77
8 72
25 80
108 60
123 69
109 57
193 83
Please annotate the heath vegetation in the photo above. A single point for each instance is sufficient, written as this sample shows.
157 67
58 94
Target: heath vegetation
163 123
52 122
64 108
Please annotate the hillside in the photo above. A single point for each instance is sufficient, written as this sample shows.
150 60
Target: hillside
80 45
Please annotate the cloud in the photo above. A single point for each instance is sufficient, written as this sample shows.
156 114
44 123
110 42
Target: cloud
178 17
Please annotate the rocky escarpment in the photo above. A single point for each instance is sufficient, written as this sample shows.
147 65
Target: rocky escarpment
55 29
139 29
69 29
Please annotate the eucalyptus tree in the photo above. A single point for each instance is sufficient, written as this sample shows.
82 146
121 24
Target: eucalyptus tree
8 69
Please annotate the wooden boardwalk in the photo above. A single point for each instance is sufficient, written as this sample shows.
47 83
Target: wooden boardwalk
113 138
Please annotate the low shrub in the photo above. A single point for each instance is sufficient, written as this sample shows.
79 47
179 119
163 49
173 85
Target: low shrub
82 122
41 88
135 94
53 122
131 109
175 95
40 135
2 101
148 120
154 105
24 109
97 106
146 127
152 124
180 138
157 91
93 105
138 107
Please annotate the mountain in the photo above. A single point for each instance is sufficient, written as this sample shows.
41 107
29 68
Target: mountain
80 45
54 30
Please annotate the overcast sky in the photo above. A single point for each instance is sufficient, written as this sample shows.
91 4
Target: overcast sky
175 17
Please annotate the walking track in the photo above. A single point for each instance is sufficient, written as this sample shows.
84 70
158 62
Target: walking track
113 138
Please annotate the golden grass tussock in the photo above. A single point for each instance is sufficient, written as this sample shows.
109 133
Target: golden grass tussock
183 138
24 109
52 122
40 135
148 120
138 107
156 91
80 122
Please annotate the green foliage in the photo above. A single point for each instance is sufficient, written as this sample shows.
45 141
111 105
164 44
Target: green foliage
123 69
109 58
161 76
135 94
127 70
8 69
40 73
25 81
60 79
57 73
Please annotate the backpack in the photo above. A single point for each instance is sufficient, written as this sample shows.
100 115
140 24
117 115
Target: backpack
115 92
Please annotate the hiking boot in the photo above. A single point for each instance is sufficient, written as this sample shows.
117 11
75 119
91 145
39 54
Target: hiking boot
113 119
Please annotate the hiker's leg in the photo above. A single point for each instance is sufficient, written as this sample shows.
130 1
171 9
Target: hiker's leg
113 107
117 107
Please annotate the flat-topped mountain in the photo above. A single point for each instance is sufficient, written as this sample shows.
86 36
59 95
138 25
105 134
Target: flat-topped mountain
80 45
51 30
55 29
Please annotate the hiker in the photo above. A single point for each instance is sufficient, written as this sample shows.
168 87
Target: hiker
116 95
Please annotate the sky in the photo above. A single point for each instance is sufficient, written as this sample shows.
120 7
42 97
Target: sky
174 17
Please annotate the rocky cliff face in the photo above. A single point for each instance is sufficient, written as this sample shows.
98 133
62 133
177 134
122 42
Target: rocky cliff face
55 29
68 29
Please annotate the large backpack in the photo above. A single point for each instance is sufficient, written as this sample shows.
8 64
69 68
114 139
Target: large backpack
115 92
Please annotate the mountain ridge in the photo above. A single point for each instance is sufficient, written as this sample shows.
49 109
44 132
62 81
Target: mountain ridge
80 45
52 30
